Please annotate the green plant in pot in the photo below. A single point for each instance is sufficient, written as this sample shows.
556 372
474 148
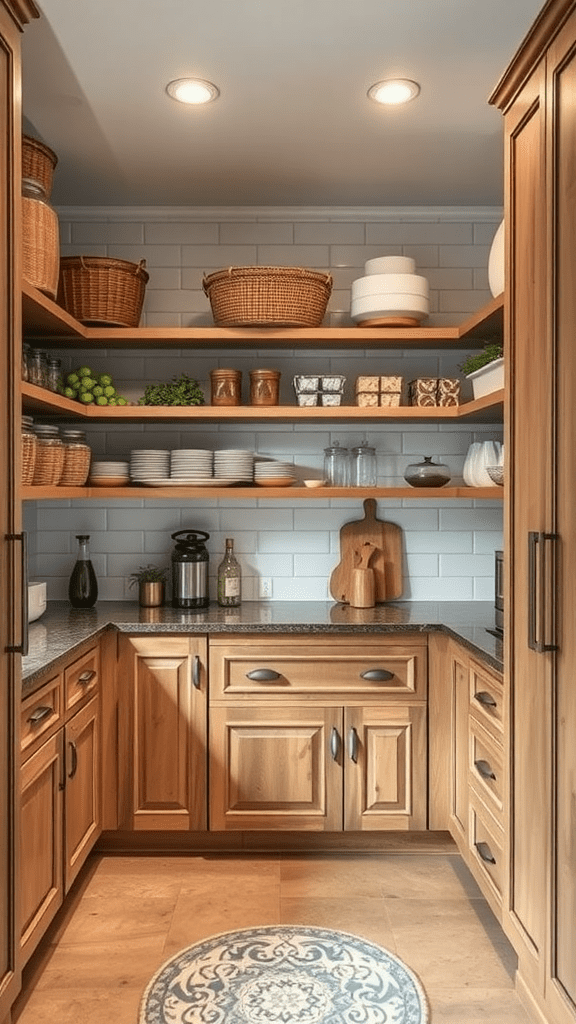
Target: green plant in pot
151 580
485 369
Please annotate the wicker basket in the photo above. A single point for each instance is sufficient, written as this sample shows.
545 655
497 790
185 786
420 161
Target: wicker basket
38 163
101 290
76 465
29 448
49 463
40 245
268 296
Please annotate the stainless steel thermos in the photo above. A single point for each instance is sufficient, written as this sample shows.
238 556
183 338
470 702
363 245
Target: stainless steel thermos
190 569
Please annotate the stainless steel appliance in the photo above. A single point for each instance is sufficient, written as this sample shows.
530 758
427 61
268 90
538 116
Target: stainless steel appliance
190 569
499 592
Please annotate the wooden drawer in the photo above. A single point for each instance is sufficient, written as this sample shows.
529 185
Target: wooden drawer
486 845
82 678
487 698
486 768
294 668
40 715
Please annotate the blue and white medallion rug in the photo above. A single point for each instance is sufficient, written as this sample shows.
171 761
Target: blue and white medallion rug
285 974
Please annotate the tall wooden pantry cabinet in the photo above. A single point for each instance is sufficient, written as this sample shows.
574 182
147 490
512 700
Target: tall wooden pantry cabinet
14 14
537 95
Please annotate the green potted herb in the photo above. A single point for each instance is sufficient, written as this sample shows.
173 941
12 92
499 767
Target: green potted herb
485 369
151 580
182 390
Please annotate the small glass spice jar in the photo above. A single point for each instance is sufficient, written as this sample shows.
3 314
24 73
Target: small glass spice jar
49 456
226 387
29 449
26 349
38 368
77 455
53 373
264 387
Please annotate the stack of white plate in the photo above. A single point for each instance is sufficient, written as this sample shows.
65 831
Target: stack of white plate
391 293
271 473
191 464
235 464
149 464
109 474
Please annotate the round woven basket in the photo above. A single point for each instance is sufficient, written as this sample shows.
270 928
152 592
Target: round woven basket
268 296
102 291
38 163
40 245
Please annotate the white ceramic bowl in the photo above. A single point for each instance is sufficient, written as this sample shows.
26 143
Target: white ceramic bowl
390 265
386 284
36 600
313 483
377 307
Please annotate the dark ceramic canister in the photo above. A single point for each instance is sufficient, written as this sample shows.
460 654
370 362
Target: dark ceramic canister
427 473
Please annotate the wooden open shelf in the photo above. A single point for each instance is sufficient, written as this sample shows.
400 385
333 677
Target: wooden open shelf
35 400
44 318
256 492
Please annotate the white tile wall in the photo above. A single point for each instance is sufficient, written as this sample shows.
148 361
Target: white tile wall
448 545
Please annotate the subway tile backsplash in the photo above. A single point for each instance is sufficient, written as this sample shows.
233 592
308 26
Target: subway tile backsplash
448 545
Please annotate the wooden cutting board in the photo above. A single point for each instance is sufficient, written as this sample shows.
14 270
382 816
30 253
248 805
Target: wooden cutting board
386 560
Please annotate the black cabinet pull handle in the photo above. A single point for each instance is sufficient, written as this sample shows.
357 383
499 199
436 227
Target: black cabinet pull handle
23 647
484 769
486 699
196 672
263 675
353 745
377 675
485 853
39 714
74 766
334 743
86 677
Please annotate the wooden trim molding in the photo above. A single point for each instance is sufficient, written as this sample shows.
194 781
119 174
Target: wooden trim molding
22 11
544 28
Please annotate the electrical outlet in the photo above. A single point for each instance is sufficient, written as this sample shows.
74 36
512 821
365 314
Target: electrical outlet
265 587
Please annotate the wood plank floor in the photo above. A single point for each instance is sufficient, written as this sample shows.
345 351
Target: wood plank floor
128 914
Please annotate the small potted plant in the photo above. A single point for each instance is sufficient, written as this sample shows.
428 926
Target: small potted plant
151 580
485 369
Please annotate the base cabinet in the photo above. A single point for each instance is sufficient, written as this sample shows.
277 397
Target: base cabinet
283 755
163 729
81 787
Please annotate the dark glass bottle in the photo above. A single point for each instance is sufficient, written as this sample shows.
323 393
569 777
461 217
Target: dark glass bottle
229 578
83 586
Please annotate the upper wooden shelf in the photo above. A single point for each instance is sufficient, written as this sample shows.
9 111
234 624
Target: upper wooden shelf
39 401
30 493
42 317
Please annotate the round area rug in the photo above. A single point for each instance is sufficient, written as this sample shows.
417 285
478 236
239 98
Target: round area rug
284 974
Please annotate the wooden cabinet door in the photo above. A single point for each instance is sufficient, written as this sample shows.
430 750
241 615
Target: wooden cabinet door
41 877
82 787
561 87
448 738
164 746
529 442
276 768
385 767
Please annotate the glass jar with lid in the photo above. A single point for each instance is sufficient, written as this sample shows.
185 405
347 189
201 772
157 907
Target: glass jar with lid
77 456
38 368
336 465
363 468
49 456
26 349
29 449
53 373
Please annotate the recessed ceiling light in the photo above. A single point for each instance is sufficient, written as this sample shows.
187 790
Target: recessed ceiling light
394 91
192 90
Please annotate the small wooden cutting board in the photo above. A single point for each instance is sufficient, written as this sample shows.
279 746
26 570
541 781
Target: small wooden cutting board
386 560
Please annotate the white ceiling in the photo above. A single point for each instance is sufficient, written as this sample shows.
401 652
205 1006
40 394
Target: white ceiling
293 125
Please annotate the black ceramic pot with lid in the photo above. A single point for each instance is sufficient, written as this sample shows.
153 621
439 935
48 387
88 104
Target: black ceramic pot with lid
190 569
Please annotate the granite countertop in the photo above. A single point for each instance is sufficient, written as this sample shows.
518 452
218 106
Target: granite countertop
61 630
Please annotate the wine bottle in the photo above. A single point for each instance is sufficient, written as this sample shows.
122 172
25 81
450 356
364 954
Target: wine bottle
83 585
229 588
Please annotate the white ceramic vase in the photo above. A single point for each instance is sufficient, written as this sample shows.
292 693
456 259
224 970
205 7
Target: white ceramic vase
496 262
480 455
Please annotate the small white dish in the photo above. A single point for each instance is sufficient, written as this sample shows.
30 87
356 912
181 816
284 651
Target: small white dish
314 483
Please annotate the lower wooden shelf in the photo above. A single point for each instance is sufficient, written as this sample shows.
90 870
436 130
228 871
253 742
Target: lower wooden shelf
29 493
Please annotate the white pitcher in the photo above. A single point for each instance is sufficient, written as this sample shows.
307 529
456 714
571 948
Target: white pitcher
487 455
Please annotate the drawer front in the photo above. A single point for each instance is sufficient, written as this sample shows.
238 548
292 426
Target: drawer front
82 678
486 769
487 698
41 714
286 670
487 850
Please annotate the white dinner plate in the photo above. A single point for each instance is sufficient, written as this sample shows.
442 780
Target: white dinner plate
187 482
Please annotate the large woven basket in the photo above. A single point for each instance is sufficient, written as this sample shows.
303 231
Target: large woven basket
268 296
38 163
102 291
40 245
